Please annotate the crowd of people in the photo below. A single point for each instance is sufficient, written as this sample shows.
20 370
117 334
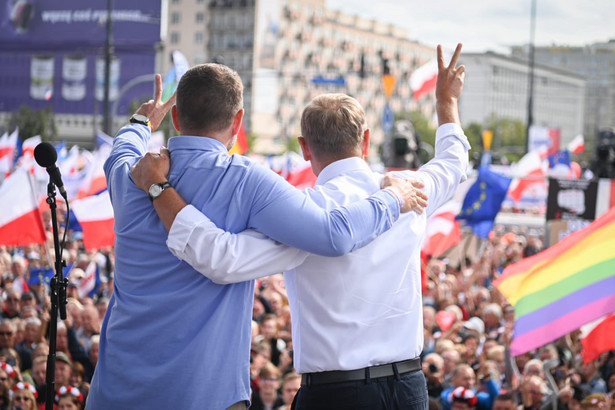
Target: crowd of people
467 325
465 360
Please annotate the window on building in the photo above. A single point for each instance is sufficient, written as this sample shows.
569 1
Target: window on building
200 18
198 38
175 18
174 37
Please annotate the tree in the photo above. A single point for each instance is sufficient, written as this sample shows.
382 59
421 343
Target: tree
33 122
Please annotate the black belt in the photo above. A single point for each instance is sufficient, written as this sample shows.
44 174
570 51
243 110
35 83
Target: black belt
373 372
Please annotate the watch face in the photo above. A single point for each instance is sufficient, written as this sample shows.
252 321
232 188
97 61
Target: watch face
141 118
155 190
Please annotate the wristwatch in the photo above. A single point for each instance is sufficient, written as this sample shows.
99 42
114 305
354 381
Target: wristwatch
140 119
155 190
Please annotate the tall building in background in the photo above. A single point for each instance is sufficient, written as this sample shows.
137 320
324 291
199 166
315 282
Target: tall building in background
497 84
288 51
52 55
596 64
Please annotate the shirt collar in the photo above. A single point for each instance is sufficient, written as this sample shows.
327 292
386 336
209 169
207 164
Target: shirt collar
342 166
198 143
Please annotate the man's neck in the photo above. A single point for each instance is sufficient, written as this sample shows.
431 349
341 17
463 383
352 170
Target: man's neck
223 137
318 165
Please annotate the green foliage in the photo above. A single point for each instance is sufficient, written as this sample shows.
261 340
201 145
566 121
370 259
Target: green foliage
425 132
251 137
33 122
508 137
292 144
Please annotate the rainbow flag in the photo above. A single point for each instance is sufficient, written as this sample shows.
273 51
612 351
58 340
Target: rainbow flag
563 287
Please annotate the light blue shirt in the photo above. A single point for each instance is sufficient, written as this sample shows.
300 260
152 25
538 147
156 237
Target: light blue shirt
171 338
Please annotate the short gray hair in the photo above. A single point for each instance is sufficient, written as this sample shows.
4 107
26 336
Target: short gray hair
333 126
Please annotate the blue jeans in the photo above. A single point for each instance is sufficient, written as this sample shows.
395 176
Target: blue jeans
407 391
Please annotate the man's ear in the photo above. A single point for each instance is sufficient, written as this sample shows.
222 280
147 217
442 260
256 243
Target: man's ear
366 141
307 155
237 121
175 118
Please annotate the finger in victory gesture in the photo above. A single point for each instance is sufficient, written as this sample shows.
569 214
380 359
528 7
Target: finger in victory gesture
450 78
155 109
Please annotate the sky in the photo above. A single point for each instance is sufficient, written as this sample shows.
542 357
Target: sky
490 25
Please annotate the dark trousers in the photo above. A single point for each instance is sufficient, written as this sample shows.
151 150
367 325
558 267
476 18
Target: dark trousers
406 391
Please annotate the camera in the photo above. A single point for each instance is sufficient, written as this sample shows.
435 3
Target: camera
433 368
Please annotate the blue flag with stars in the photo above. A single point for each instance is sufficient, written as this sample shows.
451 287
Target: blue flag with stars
484 200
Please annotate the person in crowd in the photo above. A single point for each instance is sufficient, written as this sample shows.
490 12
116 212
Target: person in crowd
591 377
433 365
464 377
461 398
290 386
90 326
69 398
504 401
335 139
12 304
267 397
64 369
153 300
534 393
269 334
23 397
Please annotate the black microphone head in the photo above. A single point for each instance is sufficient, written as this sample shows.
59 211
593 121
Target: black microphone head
45 154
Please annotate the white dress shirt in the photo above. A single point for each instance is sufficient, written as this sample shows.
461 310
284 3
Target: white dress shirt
350 312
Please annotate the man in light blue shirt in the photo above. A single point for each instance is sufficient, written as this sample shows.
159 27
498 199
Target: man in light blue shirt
356 320
172 338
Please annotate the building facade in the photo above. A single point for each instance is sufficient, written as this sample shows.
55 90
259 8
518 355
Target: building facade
596 64
498 85
289 51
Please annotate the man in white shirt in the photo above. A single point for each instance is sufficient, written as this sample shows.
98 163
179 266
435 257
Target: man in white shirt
357 319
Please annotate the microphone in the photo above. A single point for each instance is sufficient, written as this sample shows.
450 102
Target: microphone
45 155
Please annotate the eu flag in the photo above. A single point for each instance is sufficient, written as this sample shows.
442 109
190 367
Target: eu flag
484 200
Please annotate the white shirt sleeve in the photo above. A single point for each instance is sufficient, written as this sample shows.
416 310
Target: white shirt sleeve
224 257
443 174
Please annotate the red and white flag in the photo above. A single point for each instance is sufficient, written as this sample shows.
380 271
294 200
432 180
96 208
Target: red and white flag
88 282
443 231
577 145
597 337
95 215
20 220
302 176
423 79
95 180
528 173
8 146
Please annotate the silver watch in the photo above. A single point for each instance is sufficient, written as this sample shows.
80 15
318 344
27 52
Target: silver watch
155 190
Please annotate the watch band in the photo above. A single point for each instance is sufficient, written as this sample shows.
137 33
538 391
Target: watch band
162 186
140 119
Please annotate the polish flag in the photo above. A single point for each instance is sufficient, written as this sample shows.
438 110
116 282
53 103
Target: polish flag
20 221
8 147
423 79
27 155
443 230
95 180
95 215
528 173
88 282
577 145
302 177
597 337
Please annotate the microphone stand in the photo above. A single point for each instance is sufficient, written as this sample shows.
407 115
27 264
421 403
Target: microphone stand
58 300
